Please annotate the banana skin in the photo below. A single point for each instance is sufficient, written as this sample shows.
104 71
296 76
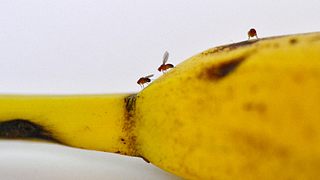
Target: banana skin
248 110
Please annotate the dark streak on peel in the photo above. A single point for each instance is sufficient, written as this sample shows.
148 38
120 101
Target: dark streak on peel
129 124
21 128
219 71
230 46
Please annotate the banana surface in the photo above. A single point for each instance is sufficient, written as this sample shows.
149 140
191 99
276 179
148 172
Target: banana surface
249 110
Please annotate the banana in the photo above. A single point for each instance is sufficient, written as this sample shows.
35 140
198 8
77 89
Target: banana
248 110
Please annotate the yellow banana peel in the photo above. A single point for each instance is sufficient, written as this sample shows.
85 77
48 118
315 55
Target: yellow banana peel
249 110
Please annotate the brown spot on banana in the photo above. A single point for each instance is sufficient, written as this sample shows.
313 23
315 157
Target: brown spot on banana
293 41
257 107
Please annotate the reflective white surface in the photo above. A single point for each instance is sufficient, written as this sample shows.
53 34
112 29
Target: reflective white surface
46 161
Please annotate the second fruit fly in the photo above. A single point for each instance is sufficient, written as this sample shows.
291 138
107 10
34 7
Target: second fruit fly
144 80
164 67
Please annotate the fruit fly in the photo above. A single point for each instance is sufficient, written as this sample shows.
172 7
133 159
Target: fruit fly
252 33
164 67
144 80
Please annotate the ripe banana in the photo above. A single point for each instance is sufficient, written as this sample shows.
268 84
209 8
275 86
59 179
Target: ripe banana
249 110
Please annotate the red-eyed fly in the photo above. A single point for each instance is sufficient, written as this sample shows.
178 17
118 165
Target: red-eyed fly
164 67
144 80
252 33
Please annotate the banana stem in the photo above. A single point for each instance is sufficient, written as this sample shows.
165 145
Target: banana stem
99 122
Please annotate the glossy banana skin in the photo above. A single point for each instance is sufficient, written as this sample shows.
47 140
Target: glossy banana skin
248 110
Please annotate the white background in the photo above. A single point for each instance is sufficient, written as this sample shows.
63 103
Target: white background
96 46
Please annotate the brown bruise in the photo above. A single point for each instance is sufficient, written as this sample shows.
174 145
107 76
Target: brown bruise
22 129
221 70
260 145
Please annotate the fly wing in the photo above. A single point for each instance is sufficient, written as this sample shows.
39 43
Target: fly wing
165 57
149 76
